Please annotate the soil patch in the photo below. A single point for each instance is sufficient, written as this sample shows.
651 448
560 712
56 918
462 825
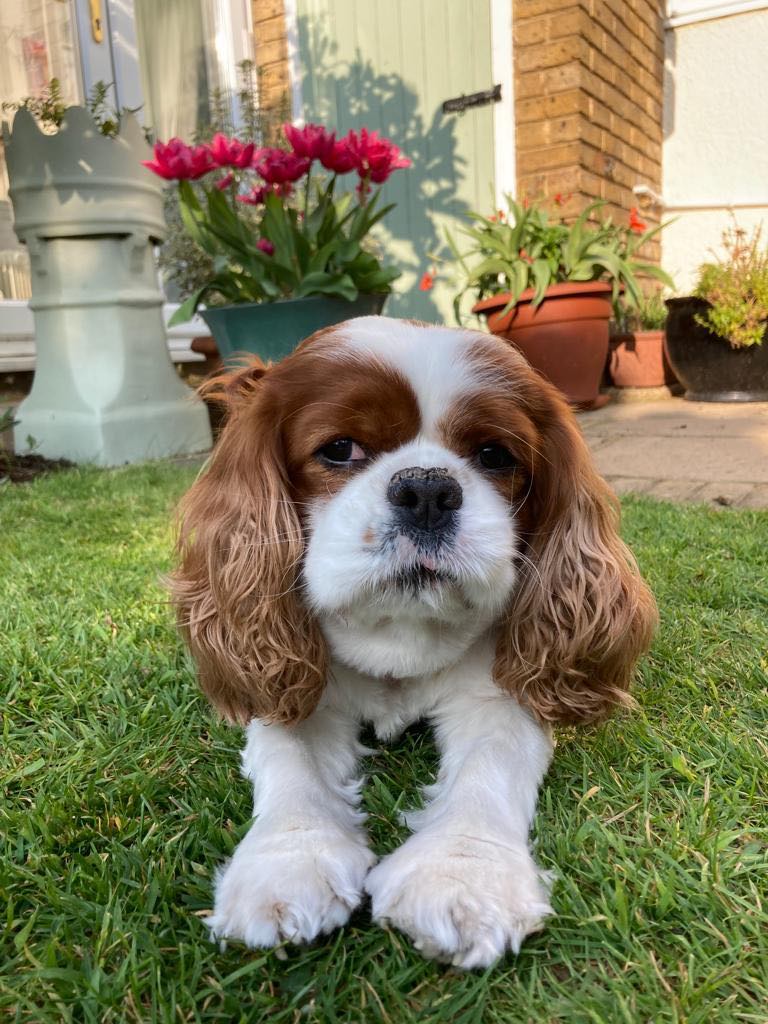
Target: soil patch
20 469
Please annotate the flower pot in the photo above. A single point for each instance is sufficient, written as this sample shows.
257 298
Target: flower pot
707 366
637 360
271 330
565 338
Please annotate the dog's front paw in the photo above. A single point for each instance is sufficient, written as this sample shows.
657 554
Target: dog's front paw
289 885
460 899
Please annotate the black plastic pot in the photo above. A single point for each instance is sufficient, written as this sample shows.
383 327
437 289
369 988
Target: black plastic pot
707 366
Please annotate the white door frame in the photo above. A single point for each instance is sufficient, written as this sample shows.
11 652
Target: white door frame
504 111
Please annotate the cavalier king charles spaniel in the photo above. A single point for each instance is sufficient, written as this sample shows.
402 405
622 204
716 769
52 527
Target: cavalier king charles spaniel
401 521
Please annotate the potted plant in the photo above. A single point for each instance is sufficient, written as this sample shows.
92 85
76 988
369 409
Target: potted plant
637 358
716 337
289 255
550 287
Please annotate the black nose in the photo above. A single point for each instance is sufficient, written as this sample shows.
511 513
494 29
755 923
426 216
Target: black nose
425 499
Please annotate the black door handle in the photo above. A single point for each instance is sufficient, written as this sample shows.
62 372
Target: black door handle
474 99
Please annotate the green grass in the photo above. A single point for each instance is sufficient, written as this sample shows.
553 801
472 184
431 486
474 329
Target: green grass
121 794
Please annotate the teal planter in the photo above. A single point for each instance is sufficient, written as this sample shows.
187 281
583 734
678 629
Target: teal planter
272 330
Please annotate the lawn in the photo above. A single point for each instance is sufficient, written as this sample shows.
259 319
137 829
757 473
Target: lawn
121 794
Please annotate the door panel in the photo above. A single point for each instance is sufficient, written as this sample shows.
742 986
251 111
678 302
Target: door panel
389 66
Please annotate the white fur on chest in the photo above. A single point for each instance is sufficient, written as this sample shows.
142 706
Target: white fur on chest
391 705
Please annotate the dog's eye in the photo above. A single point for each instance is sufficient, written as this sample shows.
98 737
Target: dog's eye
495 457
342 451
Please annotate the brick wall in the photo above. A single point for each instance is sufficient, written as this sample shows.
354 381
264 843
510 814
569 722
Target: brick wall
271 59
588 98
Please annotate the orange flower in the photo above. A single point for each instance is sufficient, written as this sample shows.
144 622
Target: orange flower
427 281
635 223
524 256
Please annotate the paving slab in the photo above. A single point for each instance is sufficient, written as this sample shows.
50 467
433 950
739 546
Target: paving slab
675 490
694 458
683 451
630 484
729 493
757 498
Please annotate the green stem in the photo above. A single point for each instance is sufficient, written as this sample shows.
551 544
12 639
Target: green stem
306 193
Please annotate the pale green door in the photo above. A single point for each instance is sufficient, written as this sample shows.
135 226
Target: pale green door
389 65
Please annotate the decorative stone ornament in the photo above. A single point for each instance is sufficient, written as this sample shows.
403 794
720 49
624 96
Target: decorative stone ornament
105 389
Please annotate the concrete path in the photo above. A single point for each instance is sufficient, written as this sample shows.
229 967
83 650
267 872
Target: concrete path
683 451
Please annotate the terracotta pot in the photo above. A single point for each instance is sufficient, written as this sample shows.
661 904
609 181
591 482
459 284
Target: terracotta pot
565 338
637 360
708 367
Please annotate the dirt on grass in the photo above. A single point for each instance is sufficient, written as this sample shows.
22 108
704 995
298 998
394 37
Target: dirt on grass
21 469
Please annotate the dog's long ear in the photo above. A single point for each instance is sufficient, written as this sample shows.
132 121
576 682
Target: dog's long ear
582 614
259 652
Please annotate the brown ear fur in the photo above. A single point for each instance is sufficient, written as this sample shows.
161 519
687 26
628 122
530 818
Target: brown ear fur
258 650
582 615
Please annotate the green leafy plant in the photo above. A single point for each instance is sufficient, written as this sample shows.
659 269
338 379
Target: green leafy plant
650 314
736 289
285 254
49 108
528 248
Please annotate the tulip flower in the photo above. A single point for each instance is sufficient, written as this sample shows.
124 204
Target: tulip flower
310 141
175 160
276 166
376 157
337 156
231 152
266 246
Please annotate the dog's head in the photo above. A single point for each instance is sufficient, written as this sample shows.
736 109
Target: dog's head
391 491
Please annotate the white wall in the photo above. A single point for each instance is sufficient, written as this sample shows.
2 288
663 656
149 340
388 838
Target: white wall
715 135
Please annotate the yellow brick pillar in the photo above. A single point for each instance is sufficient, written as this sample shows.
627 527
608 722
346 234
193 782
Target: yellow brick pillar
588 100
271 59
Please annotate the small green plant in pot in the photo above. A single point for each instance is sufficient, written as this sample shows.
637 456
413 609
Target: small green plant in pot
289 255
716 337
550 287
637 358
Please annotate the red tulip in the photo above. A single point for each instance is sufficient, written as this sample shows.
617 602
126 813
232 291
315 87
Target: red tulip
309 141
277 166
376 157
230 152
175 160
224 182
338 156
266 246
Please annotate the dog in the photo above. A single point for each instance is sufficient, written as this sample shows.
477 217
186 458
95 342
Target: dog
401 521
